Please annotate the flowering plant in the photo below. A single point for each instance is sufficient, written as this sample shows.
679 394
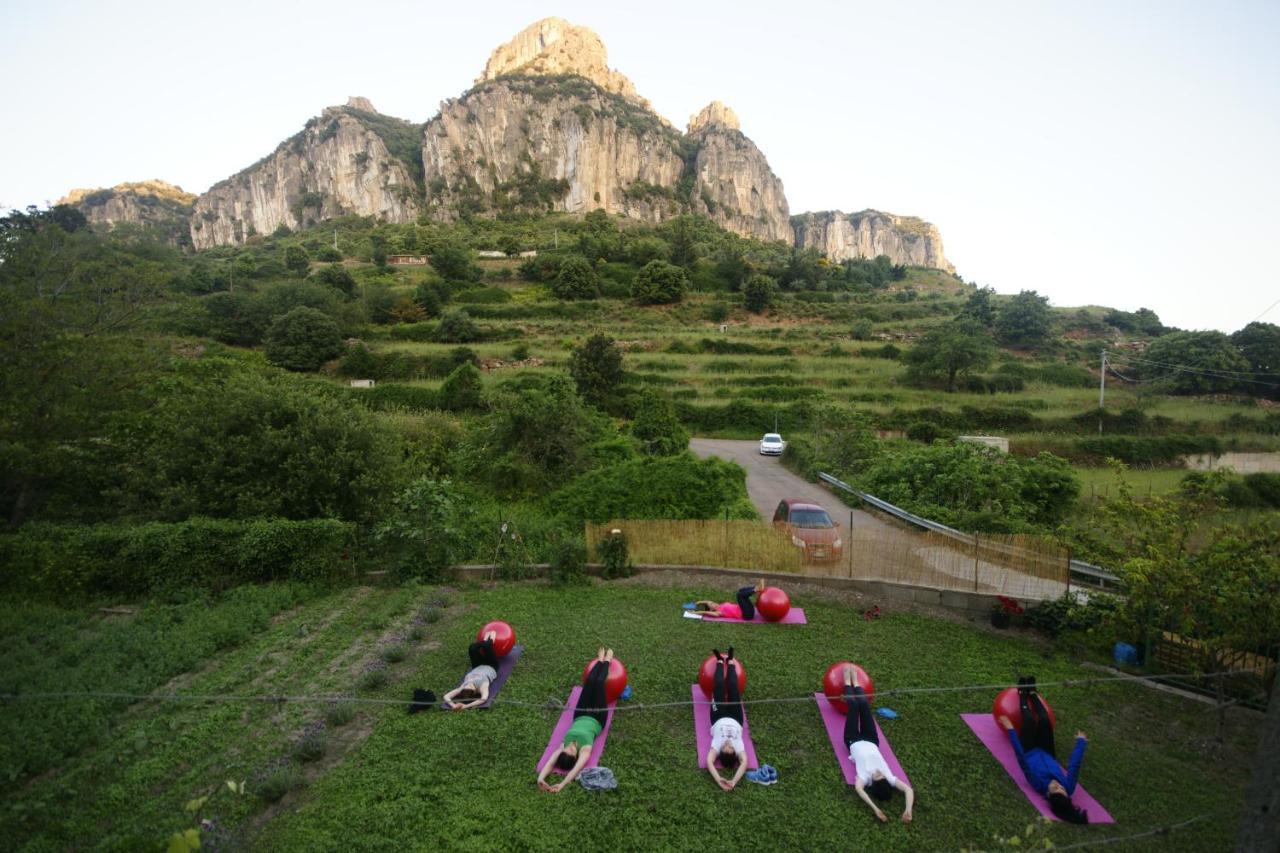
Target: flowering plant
1007 605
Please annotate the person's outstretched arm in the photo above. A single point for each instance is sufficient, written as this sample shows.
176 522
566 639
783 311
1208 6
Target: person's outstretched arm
742 768
1077 758
546 770
711 768
911 800
866 798
1017 743
584 753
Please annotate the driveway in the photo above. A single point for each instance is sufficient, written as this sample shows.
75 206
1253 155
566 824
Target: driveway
768 482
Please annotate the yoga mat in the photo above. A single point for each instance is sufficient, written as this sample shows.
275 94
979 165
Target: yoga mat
834 722
505 665
795 616
702 729
562 728
996 740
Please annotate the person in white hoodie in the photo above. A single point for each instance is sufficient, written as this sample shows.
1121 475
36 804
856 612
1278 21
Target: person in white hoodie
863 740
726 724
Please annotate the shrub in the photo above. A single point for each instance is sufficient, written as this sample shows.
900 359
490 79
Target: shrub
861 329
759 293
614 556
340 713
275 780
393 653
481 296
431 614
577 279
424 533
717 312
310 743
924 431
374 676
461 391
656 426
457 327
336 276
596 368
569 563
329 255
676 487
303 339
386 396
660 283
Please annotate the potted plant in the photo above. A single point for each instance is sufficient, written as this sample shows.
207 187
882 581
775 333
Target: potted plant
1003 611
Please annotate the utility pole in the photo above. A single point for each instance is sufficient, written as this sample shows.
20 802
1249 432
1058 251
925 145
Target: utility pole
1102 391
335 239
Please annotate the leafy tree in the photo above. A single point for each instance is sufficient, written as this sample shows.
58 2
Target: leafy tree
1143 321
978 308
842 439
1024 320
461 390
426 534
660 283
862 329
303 339
759 293
647 249
457 327
1210 363
656 426
336 276
296 260
680 237
378 250
1259 343
577 279
431 295
948 352
454 263
596 368
732 268
678 486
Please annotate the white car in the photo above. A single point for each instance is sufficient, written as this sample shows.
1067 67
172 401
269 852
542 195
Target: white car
772 444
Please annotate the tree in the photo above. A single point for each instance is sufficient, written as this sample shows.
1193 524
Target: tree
759 293
1259 343
336 276
454 263
656 426
378 250
659 283
948 352
457 327
296 260
303 339
680 239
979 309
1024 320
461 390
426 533
431 295
577 279
596 368
647 249
732 268
1195 363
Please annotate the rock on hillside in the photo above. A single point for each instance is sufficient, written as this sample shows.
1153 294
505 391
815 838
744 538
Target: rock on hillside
349 160
905 239
733 183
555 47
151 204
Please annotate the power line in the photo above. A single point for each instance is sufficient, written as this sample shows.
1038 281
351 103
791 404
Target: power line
1264 313
1232 376
1150 833
1136 358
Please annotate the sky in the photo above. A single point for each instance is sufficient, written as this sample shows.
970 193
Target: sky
1101 153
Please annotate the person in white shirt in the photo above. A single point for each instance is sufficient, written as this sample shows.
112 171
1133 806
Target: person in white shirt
727 747
863 741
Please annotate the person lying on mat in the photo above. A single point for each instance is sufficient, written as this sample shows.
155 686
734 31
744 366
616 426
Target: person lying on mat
589 717
726 723
863 740
1033 744
474 690
744 609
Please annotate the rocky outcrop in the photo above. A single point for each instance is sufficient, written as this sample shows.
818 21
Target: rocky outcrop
350 160
904 239
732 181
555 47
151 204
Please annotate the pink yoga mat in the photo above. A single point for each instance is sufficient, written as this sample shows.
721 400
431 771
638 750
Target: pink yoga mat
795 616
996 740
562 728
834 722
505 665
702 729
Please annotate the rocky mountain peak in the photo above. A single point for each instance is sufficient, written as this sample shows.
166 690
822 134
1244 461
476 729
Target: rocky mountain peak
358 103
714 113
554 46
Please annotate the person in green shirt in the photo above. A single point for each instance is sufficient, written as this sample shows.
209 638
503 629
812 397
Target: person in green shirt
589 717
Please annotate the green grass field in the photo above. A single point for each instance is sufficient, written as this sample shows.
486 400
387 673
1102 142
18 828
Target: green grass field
392 781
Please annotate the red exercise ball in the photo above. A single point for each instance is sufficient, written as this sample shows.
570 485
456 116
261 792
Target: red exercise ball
505 640
616 681
707 676
1006 704
773 604
833 684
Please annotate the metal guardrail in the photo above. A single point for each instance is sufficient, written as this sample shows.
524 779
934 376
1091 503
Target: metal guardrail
1080 570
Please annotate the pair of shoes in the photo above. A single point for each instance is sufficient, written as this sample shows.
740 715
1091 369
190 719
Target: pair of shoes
766 775
717 654
730 656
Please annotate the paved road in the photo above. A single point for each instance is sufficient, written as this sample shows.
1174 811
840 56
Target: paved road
768 482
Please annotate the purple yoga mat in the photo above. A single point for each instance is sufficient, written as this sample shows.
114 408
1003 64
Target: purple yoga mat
505 665
562 728
834 722
996 740
702 730
795 616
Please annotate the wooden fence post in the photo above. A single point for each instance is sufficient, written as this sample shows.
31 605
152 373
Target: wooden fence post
975 562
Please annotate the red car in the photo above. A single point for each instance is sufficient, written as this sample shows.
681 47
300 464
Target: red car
811 528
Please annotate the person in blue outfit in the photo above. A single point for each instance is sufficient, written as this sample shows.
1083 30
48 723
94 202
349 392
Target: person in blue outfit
1033 744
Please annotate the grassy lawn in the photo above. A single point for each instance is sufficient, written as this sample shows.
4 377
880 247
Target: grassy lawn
391 781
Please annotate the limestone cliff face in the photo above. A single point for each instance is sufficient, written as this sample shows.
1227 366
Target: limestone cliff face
555 47
151 204
733 183
905 239
341 163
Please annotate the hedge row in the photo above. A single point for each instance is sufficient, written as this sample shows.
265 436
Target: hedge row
59 560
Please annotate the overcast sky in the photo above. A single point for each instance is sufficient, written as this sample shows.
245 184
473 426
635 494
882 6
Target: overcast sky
1116 153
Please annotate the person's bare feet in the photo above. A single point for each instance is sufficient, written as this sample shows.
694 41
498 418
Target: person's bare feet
608 654
491 635
848 676
600 653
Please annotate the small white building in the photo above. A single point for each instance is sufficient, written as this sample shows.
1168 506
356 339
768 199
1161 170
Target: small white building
993 441
362 383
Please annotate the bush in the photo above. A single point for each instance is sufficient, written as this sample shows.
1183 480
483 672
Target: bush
759 293
569 563
303 339
423 536
675 487
336 276
393 653
384 397
660 283
862 329
276 779
329 255
340 713
925 432
461 391
577 279
1070 613
656 426
480 296
310 744
457 327
614 556
374 676
132 559
1145 450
